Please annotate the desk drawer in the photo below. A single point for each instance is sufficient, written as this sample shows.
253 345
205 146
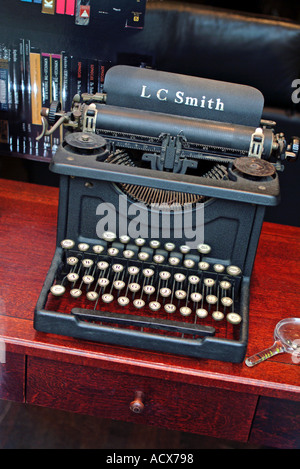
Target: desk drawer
178 406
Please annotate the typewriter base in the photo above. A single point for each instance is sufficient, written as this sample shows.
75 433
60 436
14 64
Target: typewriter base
233 216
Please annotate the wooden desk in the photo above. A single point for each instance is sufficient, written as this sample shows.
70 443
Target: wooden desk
259 405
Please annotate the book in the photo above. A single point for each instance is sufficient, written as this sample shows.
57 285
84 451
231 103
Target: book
46 97
56 94
36 99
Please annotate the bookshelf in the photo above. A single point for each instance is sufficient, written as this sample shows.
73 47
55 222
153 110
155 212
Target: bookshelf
54 55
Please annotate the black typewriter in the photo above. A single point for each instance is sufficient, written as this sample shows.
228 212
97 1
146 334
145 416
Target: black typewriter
164 180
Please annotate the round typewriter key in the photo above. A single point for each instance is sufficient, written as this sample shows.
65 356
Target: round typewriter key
113 252
154 244
169 308
134 287
209 282
128 253
226 301
98 249
117 267
119 284
201 313
219 268
154 305
211 299
102 265
174 260
148 272
133 270
103 282
67 244
189 263
72 260
140 242
196 297
88 279
92 295
194 279
180 294
83 247
225 285
75 292
203 265
217 315
233 270
233 318
158 258
109 236
203 248
124 239
139 303
164 275
87 262
170 247
72 277
184 249
143 256
107 298
149 289
185 311
179 277
165 292
57 290
123 300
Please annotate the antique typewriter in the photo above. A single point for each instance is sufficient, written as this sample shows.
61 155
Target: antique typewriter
164 180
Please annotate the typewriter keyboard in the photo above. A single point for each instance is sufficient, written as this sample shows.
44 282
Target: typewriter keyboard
128 279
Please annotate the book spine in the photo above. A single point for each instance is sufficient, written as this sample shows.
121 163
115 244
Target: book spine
66 98
4 98
92 76
70 7
81 74
46 96
56 93
29 139
36 98
60 7
103 66
48 7
22 113
16 84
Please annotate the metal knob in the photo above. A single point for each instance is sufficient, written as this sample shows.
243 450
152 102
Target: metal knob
137 405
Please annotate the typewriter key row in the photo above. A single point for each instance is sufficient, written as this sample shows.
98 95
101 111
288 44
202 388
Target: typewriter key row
115 277
137 249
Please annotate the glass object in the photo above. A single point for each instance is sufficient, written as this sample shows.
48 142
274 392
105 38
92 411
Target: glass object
286 339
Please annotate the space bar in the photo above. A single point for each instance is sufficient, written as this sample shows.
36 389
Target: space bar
143 321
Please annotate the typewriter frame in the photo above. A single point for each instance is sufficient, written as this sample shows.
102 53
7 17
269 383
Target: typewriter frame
243 201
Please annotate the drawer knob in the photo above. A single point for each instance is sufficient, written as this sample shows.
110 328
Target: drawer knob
137 405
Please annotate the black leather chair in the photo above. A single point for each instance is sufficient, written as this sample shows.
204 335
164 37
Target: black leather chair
260 51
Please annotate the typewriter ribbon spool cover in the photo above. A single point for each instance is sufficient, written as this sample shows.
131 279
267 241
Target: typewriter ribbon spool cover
133 283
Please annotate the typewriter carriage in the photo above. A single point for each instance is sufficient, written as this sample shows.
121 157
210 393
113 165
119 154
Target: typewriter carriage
106 156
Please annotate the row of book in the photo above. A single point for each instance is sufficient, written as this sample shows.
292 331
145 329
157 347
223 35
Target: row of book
31 79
